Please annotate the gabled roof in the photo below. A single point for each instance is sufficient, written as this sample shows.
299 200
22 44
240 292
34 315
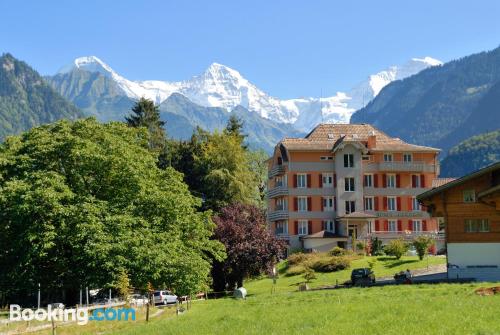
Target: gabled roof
459 181
436 182
325 136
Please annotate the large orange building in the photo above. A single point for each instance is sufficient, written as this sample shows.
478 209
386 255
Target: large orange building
345 181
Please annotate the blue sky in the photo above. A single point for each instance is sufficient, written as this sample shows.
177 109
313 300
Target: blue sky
287 48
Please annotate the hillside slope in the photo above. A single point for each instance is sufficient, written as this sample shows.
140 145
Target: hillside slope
26 100
472 154
441 105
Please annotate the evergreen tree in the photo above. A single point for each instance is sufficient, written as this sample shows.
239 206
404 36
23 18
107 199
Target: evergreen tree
146 114
234 128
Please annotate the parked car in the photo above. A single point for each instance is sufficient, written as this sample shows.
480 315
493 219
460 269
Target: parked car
362 276
411 251
138 300
57 305
164 297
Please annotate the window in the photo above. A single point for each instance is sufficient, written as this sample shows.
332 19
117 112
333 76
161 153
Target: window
327 179
365 158
281 204
329 225
469 196
417 225
302 180
370 227
393 225
302 227
391 203
477 225
282 228
328 204
326 158
368 180
349 184
415 180
391 181
350 206
415 204
348 160
369 204
387 157
279 181
302 204
407 158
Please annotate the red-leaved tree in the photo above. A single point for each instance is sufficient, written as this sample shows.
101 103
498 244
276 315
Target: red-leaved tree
251 248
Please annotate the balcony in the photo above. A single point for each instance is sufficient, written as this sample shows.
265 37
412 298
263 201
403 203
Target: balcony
415 166
278 214
407 235
276 170
277 191
401 214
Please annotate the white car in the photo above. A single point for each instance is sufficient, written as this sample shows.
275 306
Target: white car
164 297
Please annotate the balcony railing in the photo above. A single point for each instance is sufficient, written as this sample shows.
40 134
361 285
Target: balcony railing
277 191
414 166
407 235
278 214
276 170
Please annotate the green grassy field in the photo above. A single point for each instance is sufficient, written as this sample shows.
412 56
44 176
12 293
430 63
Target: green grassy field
404 309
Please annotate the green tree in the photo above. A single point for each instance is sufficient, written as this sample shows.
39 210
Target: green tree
146 114
217 168
422 244
80 202
396 248
234 128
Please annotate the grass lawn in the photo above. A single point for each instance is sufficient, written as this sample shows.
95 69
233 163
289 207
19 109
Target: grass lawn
404 309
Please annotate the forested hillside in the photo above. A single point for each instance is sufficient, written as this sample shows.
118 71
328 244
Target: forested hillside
26 100
442 105
472 154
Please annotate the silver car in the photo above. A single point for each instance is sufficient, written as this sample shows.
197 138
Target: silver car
164 297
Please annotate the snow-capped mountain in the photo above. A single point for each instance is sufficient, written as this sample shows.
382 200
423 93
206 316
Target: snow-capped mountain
221 86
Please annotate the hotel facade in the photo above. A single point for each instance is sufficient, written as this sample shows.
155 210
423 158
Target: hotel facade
345 182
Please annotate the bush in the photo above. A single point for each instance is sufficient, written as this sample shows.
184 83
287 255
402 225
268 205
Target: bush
331 264
360 246
422 244
337 251
376 247
296 270
309 275
396 248
298 258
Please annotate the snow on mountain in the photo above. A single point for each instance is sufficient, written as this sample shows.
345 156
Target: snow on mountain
221 86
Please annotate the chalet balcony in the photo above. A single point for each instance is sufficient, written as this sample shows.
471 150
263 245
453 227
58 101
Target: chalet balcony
276 171
277 191
278 214
414 166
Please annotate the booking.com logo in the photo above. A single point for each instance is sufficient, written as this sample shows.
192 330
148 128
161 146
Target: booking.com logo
81 315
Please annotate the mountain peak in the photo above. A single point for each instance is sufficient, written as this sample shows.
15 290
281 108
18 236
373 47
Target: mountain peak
88 63
428 60
217 70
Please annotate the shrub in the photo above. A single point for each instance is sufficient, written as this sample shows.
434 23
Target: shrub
298 258
338 251
296 270
422 244
376 247
309 275
331 264
396 248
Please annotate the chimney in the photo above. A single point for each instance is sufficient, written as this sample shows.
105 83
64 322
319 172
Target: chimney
372 141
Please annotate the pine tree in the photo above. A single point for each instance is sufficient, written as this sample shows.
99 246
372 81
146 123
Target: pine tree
234 127
146 114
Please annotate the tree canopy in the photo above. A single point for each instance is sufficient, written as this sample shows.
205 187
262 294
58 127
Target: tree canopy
82 203
219 167
146 114
250 246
